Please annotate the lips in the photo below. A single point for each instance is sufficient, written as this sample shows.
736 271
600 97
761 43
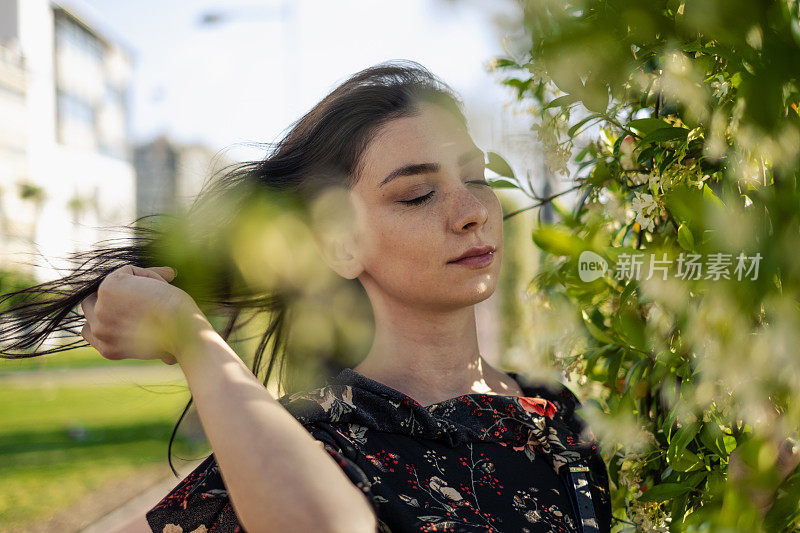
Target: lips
474 252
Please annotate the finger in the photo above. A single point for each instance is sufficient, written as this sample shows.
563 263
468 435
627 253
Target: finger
87 306
161 273
86 333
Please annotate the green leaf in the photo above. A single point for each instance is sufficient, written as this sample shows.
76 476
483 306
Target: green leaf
557 241
567 99
684 436
575 127
628 291
678 506
595 330
785 509
663 491
614 363
502 184
712 438
669 420
644 126
501 62
709 196
664 135
594 95
685 238
600 174
499 166
685 461
678 457
635 373
730 443
520 85
629 323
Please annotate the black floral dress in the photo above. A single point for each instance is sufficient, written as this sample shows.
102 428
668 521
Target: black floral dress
474 463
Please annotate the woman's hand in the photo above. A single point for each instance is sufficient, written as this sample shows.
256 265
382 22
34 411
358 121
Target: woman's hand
136 314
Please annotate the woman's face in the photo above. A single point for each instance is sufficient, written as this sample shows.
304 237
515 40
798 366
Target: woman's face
421 201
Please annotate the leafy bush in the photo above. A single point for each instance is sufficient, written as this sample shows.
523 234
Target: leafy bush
678 122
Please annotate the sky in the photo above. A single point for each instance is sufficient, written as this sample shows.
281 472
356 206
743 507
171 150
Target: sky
246 78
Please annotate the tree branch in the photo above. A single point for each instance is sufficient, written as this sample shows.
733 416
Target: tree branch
542 202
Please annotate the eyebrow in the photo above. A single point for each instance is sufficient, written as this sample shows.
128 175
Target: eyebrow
426 168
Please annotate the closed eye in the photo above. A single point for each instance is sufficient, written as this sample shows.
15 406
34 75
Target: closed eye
419 200
422 199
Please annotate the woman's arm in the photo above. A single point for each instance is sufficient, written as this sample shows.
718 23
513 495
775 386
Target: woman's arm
278 477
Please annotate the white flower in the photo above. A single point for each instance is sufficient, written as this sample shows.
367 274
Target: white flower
646 207
637 178
645 223
643 202
654 181
720 86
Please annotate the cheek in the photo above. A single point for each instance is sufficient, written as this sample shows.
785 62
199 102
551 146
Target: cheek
401 247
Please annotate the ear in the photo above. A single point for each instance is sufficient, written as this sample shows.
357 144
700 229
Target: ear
334 225
340 253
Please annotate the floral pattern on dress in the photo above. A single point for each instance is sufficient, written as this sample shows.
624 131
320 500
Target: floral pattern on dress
474 463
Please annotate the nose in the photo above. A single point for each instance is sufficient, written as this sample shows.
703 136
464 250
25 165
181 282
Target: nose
469 212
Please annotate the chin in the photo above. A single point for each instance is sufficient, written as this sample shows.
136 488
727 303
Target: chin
477 292
483 292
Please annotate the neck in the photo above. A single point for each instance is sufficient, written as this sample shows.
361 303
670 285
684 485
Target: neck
431 355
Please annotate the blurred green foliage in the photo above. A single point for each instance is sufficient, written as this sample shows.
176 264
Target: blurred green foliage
678 122
12 281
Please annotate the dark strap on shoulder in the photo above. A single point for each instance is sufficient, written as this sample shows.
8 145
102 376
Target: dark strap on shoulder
577 482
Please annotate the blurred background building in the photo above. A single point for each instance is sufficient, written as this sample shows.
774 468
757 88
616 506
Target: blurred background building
16 215
65 169
169 174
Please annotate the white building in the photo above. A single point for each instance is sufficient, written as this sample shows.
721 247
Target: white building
17 215
73 138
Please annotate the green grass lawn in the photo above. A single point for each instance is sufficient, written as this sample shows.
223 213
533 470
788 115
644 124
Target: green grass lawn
58 444
75 358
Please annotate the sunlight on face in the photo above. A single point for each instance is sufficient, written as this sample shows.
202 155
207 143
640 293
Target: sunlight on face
410 226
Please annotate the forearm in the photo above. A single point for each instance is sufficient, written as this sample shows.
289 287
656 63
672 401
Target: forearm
277 475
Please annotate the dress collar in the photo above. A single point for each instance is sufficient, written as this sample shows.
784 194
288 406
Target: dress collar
542 421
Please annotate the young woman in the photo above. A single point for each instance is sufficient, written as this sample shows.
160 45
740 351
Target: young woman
423 434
